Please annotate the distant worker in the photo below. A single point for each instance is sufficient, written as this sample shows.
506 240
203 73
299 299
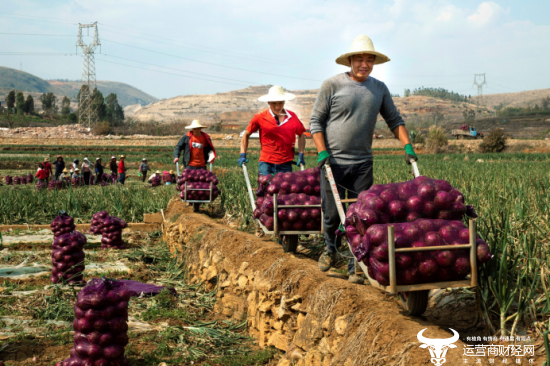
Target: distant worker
278 130
121 170
166 177
64 174
114 167
87 170
98 170
41 173
48 169
196 146
342 125
143 169
156 174
59 166
76 174
74 166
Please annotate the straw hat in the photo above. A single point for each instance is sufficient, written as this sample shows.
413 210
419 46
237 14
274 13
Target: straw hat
65 170
143 159
171 172
96 159
113 157
122 156
362 44
157 172
46 159
195 124
276 94
77 170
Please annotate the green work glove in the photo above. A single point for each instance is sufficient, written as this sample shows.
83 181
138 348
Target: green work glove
410 154
323 158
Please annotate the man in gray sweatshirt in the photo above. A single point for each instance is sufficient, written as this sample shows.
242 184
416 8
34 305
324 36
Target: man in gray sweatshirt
342 125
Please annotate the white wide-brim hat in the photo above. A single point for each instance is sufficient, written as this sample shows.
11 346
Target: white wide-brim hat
195 124
362 44
276 94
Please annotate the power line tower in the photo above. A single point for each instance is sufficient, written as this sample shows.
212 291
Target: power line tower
86 111
479 86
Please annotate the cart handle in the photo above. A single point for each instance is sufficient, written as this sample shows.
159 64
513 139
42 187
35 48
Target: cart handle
334 189
249 187
178 168
415 168
302 167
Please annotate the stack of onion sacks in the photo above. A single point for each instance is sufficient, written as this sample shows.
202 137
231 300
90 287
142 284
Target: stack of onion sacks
23 180
111 230
16 181
62 224
29 178
75 182
40 185
101 329
198 179
8 180
68 258
97 219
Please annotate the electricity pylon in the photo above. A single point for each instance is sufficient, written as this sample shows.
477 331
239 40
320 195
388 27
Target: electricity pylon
86 110
479 86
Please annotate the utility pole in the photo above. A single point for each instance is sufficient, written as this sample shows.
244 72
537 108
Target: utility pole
479 86
86 111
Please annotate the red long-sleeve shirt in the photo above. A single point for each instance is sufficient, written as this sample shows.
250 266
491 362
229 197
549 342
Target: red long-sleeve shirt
41 174
48 169
121 167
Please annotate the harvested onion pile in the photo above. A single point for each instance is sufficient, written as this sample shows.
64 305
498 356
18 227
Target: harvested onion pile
29 178
23 180
9 180
97 219
198 179
68 258
40 185
111 230
101 329
297 188
16 181
62 224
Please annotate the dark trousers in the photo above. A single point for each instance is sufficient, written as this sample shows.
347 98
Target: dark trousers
269 168
195 167
143 176
121 177
354 178
87 176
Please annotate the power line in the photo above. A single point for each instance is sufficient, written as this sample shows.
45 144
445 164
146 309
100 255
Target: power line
38 34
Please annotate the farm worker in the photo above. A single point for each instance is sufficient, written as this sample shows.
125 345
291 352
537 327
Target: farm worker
197 148
121 170
143 169
278 130
48 169
41 173
76 174
113 166
166 177
98 170
157 173
173 176
87 169
74 166
342 125
64 174
59 166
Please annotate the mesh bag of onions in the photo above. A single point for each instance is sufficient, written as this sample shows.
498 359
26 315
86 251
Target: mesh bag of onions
68 258
155 181
297 188
23 180
97 219
40 185
75 182
198 179
111 232
62 224
29 178
101 328
16 181
8 180
417 267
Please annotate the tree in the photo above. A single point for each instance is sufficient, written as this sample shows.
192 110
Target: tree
48 103
29 104
407 93
20 102
546 103
65 106
10 101
114 112
98 104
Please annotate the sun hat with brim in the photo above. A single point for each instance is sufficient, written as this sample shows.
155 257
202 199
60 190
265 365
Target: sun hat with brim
276 94
77 170
96 159
157 172
360 45
46 159
143 159
195 124
122 156
113 157
171 172
65 170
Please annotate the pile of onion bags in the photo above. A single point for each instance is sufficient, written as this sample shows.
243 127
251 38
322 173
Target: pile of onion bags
418 267
29 178
16 181
68 258
9 180
23 180
198 179
305 181
97 220
62 224
75 182
111 232
40 185
290 219
101 329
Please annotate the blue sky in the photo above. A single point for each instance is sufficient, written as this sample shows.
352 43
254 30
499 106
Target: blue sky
174 47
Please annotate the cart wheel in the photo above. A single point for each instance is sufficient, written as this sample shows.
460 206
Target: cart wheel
196 207
290 243
414 302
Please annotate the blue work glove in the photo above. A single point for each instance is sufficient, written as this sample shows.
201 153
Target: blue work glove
242 159
301 159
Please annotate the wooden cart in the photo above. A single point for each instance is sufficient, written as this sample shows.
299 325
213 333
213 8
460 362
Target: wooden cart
289 239
413 298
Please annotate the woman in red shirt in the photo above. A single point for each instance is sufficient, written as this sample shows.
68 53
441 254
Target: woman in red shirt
47 169
121 170
41 173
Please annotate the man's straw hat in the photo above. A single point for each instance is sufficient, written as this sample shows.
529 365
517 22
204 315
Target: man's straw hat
362 44
122 156
65 170
157 172
77 170
171 172
46 159
276 94
195 124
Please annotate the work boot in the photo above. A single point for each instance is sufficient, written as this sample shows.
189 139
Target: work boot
326 261
356 279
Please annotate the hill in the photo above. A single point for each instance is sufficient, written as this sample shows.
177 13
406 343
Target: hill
30 84
515 100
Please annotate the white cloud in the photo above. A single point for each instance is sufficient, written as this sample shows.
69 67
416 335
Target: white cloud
486 13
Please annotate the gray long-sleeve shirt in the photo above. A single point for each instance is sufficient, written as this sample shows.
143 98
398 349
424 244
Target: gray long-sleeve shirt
346 110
